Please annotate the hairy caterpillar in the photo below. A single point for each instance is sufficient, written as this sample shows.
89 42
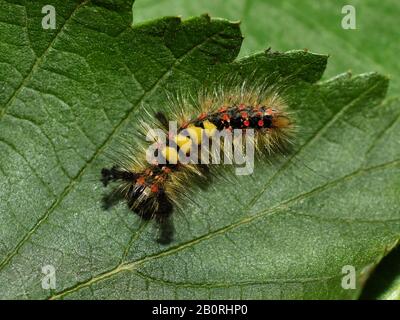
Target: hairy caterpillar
152 188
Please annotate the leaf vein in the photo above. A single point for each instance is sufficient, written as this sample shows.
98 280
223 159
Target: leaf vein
37 63
120 125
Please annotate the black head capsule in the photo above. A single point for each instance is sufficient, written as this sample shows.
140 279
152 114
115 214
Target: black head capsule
143 191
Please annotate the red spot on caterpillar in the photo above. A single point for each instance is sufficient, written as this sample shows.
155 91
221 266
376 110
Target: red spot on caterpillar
269 112
244 115
154 188
242 106
260 123
222 109
184 124
246 123
140 181
225 117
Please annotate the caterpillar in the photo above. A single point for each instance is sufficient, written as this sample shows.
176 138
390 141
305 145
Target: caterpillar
154 186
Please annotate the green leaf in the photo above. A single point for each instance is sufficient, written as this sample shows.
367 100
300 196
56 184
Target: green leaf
287 24
304 24
284 232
